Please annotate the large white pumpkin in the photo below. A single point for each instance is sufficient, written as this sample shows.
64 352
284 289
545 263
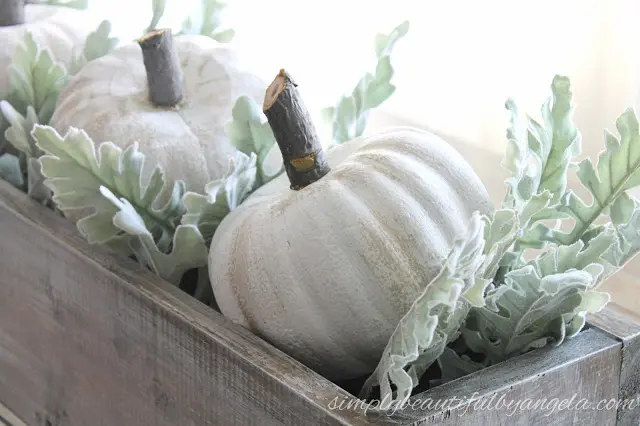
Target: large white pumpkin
62 30
109 99
325 273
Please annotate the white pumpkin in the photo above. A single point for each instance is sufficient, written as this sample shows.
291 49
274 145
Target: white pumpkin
62 30
325 273
110 100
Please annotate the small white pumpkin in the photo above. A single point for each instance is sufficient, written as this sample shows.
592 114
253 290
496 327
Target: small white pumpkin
326 272
112 99
62 30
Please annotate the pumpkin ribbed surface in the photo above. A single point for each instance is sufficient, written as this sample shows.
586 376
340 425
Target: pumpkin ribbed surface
326 273
109 99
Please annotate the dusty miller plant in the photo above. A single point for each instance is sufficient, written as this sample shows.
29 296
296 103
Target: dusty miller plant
37 79
490 294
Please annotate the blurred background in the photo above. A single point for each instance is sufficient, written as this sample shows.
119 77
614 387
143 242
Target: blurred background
454 70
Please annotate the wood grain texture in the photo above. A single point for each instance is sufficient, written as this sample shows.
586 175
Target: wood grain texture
627 332
7 418
87 338
586 367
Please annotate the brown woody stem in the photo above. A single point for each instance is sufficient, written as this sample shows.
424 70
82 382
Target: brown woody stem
304 159
164 74
11 12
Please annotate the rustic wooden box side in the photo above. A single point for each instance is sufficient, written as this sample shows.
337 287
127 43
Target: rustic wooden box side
628 333
587 367
81 345
89 338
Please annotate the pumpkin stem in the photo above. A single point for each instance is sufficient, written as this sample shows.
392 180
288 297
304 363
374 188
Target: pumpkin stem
164 74
11 12
304 159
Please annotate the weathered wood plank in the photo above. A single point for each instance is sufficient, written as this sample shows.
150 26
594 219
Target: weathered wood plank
585 367
627 332
7 418
88 338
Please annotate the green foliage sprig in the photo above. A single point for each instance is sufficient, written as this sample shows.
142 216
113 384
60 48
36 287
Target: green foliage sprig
349 117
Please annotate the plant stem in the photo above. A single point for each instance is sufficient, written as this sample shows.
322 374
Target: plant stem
11 12
164 74
304 159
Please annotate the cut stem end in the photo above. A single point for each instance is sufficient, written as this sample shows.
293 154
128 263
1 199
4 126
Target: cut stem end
11 13
289 119
164 73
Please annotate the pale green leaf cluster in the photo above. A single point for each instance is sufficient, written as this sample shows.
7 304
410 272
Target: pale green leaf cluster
545 300
98 44
102 185
222 195
11 171
250 133
36 78
207 21
158 7
519 304
349 117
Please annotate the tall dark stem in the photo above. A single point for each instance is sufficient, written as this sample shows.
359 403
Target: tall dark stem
164 74
304 159
11 12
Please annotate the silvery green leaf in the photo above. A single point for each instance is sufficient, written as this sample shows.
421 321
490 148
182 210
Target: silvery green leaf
500 233
616 172
530 311
10 170
188 250
222 196
250 133
207 21
97 44
224 36
423 333
538 156
349 117
578 256
628 237
622 209
158 7
36 79
36 188
385 42
75 169
453 366
19 132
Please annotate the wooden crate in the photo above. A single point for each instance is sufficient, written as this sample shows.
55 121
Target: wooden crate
88 338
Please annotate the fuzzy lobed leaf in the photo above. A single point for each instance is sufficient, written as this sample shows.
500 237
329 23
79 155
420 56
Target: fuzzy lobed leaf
36 78
75 169
158 7
250 133
349 117
222 196
98 44
207 21
538 156
617 171
188 249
